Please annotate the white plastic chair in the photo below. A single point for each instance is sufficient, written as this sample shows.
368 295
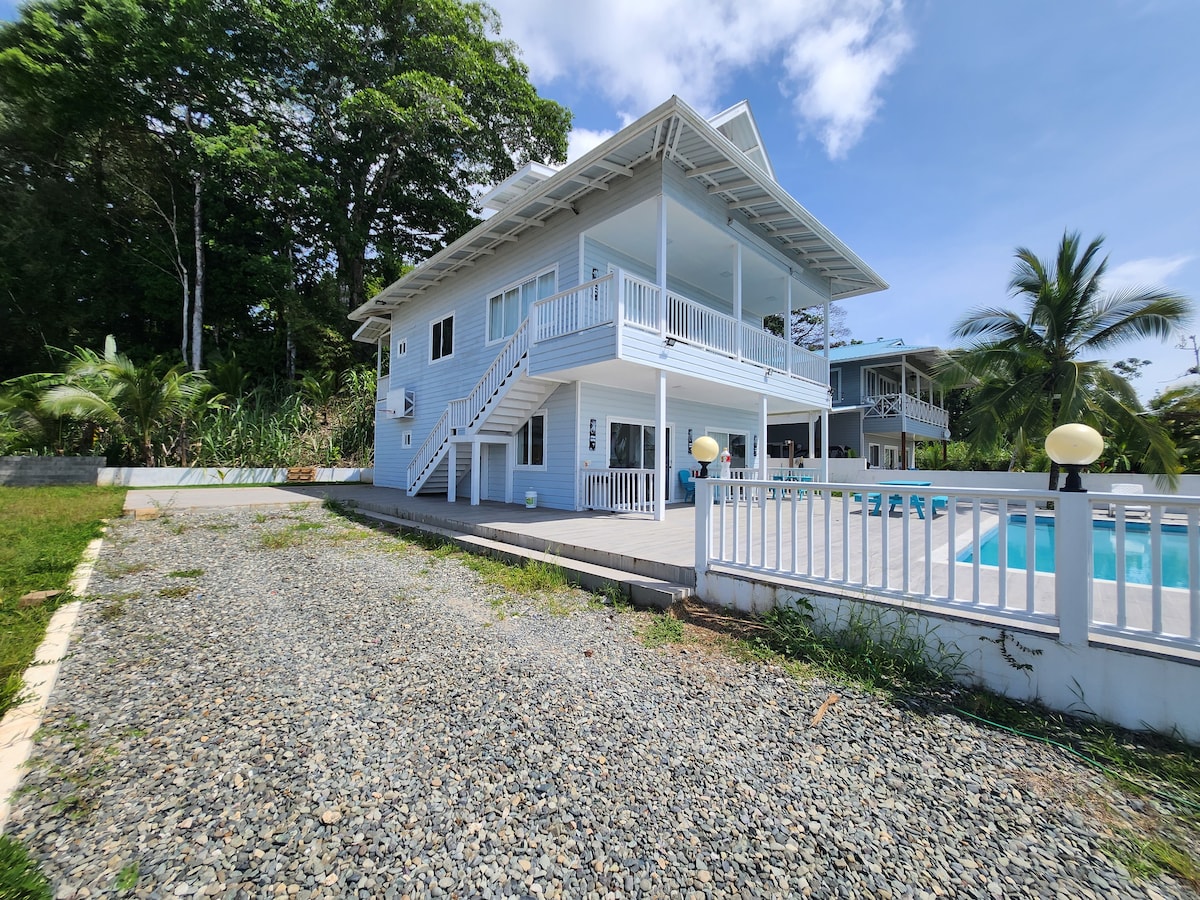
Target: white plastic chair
1127 488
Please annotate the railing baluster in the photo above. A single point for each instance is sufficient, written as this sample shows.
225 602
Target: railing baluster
1002 559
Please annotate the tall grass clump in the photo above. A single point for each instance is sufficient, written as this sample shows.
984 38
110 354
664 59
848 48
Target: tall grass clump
892 650
43 533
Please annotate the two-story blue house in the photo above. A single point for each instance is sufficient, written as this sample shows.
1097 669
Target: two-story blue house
885 400
605 315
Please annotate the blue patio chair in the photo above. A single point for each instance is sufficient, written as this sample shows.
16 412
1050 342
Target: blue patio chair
689 489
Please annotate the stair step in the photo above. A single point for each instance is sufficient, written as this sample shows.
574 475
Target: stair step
641 590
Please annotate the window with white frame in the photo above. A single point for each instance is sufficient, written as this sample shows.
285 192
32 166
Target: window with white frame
531 442
441 338
873 455
406 440
509 307
835 384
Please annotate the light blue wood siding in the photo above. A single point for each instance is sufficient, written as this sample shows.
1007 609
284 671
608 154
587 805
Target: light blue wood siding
465 295
606 404
556 485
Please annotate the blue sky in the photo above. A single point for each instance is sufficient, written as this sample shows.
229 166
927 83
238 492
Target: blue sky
932 136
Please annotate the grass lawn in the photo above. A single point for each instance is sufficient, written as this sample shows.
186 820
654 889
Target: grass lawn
43 532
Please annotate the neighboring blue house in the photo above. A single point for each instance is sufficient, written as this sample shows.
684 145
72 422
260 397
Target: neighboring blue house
884 401
576 342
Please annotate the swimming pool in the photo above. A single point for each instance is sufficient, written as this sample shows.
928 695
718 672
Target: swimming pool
1104 550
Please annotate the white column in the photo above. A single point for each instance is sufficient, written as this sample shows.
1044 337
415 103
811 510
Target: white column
1072 563
825 446
476 462
661 264
660 447
737 297
812 447
510 458
451 472
787 322
762 438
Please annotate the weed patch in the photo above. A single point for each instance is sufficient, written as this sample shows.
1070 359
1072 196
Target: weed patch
186 573
176 593
662 629
20 876
279 540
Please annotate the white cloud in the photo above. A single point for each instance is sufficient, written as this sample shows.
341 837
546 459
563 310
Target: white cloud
832 56
1152 270
581 140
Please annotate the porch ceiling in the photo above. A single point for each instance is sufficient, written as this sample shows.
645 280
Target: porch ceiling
700 255
676 132
644 379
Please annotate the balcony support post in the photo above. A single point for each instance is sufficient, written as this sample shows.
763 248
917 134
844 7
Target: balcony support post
660 448
452 472
737 299
661 265
825 445
762 438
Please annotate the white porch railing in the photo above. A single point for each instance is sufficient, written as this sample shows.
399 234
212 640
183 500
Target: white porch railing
618 490
940 547
918 410
427 451
597 303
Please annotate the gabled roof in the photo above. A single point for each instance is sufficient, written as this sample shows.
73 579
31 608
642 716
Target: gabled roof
672 131
737 123
887 347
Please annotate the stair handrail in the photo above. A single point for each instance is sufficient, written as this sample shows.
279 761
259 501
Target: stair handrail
465 410
428 450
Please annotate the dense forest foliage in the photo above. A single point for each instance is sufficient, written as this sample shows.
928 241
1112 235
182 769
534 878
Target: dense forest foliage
216 179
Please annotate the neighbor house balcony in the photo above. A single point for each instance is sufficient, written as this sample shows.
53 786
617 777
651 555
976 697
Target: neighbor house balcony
906 412
607 323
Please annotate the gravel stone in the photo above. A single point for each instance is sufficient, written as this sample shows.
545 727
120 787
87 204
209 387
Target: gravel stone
325 711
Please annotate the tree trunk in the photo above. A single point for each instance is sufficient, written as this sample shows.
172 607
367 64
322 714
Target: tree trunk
198 299
1053 486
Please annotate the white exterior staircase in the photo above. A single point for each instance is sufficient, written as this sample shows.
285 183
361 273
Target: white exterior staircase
499 404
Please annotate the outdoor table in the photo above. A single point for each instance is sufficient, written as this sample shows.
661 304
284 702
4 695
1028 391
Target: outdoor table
915 501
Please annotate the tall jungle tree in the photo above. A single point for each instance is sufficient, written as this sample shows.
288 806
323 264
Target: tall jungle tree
1032 365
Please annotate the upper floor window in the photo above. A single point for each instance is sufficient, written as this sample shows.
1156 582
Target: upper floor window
835 384
509 307
441 338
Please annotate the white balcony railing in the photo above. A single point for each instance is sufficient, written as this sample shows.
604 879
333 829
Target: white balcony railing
913 408
626 300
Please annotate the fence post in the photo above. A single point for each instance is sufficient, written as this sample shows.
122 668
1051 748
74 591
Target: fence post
704 505
1073 566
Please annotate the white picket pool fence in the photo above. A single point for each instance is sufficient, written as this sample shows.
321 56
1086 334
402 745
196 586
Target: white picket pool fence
925 545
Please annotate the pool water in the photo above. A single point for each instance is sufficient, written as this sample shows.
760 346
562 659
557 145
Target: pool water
1104 550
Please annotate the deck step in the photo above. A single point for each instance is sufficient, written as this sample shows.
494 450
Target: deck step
641 590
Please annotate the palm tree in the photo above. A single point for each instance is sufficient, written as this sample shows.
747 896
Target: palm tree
1028 366
140 401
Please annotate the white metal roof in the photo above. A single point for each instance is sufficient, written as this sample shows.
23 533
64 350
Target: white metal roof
372 329
675 132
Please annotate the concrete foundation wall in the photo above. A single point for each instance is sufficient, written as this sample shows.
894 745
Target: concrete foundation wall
216 477
30 471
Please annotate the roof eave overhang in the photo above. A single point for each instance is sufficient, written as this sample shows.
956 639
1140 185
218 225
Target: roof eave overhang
779 219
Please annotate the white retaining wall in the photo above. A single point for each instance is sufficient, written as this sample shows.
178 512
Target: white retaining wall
1133 689
217 477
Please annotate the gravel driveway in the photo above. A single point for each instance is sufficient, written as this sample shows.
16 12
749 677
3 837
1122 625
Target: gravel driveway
292 705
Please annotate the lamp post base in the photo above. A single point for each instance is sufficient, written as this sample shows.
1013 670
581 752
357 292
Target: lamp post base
1074 484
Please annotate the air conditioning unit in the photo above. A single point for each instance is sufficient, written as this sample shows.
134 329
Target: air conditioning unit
401 404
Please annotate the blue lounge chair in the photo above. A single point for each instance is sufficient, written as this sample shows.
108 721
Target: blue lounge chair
689 489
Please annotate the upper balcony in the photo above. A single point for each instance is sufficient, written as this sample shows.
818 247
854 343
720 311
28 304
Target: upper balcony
906 410
620 318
